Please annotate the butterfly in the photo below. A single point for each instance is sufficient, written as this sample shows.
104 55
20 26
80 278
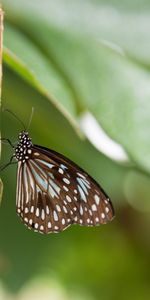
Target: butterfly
53 192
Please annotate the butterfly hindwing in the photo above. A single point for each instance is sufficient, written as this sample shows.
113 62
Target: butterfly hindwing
38 206
53 193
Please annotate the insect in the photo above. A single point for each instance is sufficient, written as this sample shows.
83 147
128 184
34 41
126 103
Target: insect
53 192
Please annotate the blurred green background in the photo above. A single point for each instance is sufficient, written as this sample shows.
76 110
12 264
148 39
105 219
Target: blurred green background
68 59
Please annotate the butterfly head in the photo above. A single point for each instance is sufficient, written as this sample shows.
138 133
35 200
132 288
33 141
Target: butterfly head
23 148
24 136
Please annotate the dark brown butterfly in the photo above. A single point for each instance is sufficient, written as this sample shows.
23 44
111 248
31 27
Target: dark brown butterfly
53 192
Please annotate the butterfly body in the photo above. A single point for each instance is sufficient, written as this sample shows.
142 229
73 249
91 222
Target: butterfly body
23 148
53 192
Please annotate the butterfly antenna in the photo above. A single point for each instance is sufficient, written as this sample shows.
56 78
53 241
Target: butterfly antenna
9 111
30 119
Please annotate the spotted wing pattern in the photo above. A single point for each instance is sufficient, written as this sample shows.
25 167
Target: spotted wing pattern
53 193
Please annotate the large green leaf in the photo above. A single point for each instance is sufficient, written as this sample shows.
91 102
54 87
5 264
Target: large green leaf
124 23
103 81
28 60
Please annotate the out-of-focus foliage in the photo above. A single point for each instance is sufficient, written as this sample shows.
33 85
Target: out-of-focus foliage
1 190
64 58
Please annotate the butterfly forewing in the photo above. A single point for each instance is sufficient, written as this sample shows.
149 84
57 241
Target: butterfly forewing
53 193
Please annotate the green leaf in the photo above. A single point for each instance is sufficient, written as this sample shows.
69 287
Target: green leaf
103 81
122 23
107 84
30 63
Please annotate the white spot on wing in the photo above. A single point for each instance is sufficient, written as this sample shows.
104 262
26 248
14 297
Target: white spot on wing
55 216
61 171
94 208
36 154
47 209
37 212
65 188
43 214
32 209
97 199
49 224
26 210
107 209
36 225
63 221
68 198
58 207
67 181
65 209
81 210
103 215
81 175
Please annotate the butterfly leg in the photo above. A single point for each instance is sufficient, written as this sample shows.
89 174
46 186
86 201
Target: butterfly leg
9 163
8 141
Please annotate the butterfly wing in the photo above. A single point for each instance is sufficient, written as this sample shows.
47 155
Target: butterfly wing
53 193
